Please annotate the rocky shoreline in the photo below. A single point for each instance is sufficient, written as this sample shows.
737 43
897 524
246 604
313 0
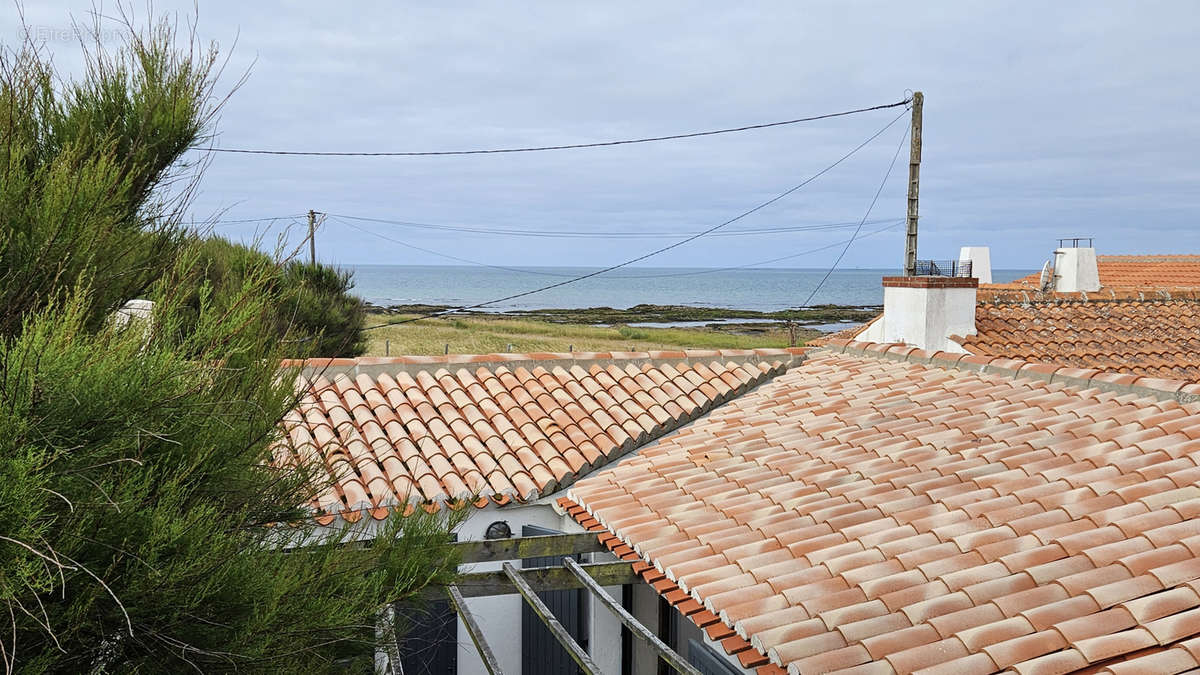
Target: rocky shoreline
713 317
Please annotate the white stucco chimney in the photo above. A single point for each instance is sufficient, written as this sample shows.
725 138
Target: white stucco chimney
1075 270
980 258
925 311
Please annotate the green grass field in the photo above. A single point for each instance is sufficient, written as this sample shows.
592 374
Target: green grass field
474 335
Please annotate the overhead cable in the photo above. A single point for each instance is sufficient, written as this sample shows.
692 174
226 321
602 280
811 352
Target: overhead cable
874 199
655 252
219 223
444 255
339 219
542 148
595 234
760 263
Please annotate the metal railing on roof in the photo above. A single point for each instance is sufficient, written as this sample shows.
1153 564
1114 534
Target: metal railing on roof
943 268
1074 242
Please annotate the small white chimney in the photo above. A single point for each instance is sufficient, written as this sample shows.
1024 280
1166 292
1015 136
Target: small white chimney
980 258
1075 269
924 311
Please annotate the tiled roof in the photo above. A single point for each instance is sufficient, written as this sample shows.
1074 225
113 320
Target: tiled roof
1143 337
886 510
1134 271
495 428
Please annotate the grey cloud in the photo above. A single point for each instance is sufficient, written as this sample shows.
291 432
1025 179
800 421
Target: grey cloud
1042 120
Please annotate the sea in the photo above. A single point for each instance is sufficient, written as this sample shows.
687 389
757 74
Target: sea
761 289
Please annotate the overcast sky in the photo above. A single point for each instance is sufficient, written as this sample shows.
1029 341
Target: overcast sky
1042 120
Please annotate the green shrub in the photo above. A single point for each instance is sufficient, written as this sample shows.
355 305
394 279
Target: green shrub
140 516
315 314
318 306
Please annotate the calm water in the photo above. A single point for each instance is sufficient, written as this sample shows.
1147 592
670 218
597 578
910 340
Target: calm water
757 289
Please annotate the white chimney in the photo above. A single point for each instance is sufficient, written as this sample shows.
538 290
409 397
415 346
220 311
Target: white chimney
925 311
1075 270
980 258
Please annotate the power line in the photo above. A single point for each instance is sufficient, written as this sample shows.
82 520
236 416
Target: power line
760 263
655 252
594 234
573 146
444 255
890 224
249 220
874 199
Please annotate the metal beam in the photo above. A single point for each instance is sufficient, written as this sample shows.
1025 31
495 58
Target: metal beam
577 653
517 548
481 645
478 584
645 634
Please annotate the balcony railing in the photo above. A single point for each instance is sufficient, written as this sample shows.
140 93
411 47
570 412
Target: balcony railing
943 268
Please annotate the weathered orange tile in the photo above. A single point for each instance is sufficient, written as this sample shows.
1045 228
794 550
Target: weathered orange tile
1015 550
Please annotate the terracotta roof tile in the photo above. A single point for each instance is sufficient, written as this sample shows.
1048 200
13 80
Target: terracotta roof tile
392 433
1155 338
877 542
1133 271
1145 321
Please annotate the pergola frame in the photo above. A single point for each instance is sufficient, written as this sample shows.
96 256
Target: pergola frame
528 582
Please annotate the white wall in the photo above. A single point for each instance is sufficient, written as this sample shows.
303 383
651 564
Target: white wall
873 331
605 647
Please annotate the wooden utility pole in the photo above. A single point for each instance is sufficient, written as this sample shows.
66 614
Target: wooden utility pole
914 186
312 236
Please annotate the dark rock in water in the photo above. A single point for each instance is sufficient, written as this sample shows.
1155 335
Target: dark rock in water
661 314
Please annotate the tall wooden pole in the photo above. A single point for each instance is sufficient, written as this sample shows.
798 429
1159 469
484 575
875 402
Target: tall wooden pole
312 236
914 186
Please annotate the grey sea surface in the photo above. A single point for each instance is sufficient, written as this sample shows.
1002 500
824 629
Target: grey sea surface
763 290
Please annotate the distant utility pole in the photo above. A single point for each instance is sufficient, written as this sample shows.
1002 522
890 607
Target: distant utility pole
914 186
312 234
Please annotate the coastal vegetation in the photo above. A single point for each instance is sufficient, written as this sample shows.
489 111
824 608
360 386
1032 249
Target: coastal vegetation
482 334
317 312
143 527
